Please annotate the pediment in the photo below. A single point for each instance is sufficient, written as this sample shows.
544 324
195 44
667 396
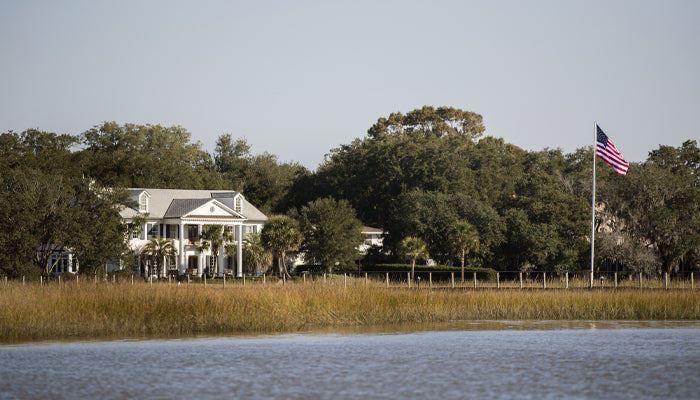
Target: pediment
212 209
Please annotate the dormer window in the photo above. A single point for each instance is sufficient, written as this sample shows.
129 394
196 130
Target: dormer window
238 204
143 202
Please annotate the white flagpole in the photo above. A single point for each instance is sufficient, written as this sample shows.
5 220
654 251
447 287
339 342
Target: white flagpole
595 144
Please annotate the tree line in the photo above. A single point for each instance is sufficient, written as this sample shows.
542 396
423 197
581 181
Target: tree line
429 174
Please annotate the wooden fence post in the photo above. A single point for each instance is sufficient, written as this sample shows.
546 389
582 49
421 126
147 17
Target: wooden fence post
409 280
498 280
566 285
264 278
41 280
474 279
387 280
544 280
692 285
345 280
132 279
453 280
430 280
22 280
666 280
243 280
615 280
521 279
224 281
365 279
640 279
59 281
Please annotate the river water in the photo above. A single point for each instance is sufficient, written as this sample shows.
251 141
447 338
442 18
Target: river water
461 360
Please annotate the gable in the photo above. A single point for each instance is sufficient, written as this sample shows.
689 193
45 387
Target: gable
213 209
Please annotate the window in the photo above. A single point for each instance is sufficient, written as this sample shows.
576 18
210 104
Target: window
192 233
192 262
172 232
238 205
143 202
153 230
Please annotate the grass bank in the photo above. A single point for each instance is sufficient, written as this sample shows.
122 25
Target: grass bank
86 310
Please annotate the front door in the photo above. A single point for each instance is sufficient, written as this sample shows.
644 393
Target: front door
192 262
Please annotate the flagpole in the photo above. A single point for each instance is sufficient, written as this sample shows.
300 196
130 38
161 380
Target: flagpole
595 143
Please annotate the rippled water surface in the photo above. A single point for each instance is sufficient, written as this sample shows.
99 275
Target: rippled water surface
484 360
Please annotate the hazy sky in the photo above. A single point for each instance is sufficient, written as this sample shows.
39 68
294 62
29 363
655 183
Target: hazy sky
298 78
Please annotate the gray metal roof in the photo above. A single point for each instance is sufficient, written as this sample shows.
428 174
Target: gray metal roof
173 203
180 207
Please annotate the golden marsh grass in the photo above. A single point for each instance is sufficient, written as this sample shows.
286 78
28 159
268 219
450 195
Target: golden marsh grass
87 310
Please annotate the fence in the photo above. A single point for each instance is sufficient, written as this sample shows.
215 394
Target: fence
421 280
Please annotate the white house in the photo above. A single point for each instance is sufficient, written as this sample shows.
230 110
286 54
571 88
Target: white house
180 215
373 237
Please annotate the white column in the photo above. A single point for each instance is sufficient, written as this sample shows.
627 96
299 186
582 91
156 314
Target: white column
220 261
181 235
239 252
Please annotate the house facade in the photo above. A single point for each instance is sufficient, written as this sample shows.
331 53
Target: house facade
181 215
373 237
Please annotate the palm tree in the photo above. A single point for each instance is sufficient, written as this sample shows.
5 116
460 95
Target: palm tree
159 249
215 237
466 239
280 235
255 253
414 247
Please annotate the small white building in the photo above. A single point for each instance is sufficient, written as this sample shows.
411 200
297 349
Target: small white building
373 237
180 215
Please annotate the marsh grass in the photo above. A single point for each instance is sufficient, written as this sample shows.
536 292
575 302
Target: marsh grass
82 310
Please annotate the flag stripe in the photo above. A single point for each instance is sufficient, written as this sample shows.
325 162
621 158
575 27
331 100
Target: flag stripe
606 150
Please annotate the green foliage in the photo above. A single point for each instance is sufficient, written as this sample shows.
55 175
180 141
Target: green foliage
415 174
255 254
331 233
428 121
265 181
215 236
280 234
158 250
658 203
48 212
414 248
146 156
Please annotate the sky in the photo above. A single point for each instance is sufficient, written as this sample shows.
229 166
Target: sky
298 79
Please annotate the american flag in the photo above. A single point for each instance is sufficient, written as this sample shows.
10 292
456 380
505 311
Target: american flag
606 150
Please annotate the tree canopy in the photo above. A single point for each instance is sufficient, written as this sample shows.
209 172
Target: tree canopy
331 233
416 174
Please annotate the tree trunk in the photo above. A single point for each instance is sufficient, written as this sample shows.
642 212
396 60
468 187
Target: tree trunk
413 268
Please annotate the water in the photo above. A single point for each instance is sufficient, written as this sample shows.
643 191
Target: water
484 360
